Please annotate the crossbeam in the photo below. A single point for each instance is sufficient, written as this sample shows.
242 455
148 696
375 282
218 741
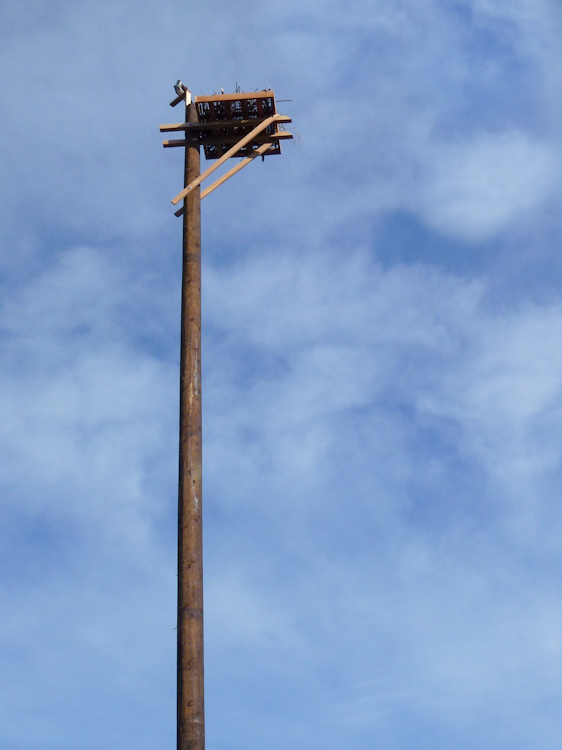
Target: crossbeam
218 124
263 138
265 94
234 150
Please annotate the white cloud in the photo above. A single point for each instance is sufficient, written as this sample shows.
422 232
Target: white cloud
381 444
323 516
472 190
81 409
439 613
370 341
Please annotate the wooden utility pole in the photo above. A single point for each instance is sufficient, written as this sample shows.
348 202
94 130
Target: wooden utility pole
226 125
191 706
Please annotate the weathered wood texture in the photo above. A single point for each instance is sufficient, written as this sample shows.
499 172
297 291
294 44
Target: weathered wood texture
282 135
219 124
190 689
261 151
263 94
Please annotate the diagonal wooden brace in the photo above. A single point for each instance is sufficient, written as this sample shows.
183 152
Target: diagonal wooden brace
244 163
234 150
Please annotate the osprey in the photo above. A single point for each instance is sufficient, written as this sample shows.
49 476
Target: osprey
180 89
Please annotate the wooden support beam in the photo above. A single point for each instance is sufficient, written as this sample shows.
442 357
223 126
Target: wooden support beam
190 690
234 150
177 100
185 97
261 151
214 124
283 135
173 144
265 94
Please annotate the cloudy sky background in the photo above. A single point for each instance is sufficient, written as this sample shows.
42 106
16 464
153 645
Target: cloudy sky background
382 377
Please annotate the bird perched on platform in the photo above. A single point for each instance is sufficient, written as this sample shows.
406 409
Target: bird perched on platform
180 88
222 90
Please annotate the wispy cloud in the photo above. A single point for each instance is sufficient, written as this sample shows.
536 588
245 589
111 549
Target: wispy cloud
382 466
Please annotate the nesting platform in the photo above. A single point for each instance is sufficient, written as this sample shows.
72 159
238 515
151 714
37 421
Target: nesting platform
225 119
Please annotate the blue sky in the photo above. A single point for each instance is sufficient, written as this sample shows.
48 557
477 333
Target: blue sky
382 377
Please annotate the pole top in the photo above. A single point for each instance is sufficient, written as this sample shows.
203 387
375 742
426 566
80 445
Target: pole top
183 93
223 119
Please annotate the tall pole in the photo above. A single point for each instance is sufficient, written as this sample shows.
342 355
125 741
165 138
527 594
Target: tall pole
191 707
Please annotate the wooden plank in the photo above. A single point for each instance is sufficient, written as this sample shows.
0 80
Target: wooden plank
244 163
283 135
261 151
213 124
173 144
177 100
264 94
234 150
